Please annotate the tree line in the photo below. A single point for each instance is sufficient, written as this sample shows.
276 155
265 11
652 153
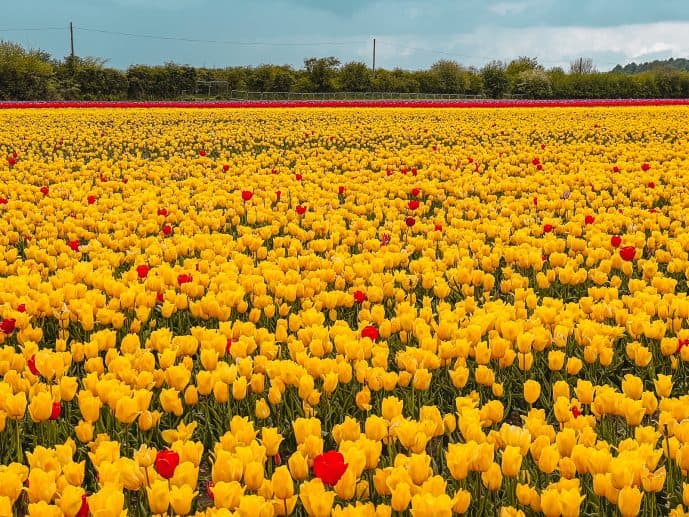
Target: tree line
27 74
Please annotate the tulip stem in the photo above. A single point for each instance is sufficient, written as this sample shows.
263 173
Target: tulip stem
19 445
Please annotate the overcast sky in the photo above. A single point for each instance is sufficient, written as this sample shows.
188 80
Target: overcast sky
410 33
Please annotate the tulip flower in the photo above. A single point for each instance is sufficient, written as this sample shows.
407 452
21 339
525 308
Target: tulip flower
166 462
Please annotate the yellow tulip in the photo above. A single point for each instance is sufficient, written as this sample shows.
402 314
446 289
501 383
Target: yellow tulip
401 497
40 407
629 501
282 484
511 461
42 486
158 496
532 391
70 500
181 499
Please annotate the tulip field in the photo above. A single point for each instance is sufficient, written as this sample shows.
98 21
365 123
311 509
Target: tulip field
318 311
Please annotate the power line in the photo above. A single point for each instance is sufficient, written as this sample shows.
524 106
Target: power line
31 29
270 44
221 42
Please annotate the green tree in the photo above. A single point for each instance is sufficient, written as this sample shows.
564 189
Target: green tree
495 82
25 74
355 77
449 77
517 67
534 84
321 72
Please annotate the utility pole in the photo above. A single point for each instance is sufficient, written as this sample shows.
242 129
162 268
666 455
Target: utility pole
374 58
71 39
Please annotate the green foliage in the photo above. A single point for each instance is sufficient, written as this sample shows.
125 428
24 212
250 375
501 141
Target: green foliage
534 84
33 75
25 74
680 64
356 77
495 79
321 72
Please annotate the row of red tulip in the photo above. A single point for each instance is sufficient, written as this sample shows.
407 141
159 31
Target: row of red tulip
482 103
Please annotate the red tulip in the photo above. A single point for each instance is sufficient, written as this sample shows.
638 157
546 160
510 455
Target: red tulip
301 210
166 462
438 228
225 168
167 229
340 190
142 271
74 245
645 166
388 172
413 171
91 199
162 211
681 343
278 194
202 153
615 241
547 228
535 201
44 191
184 278
415 192
273 171
228 345
3 200
403 171
535 161
209 490
471 160
542 146
615 169
160 298
627 253
56 411
539 167
651 184
410 221
31 364
359 296
413 204
7 325
11 160
21 307
589 219
370 332
329 467
84 509
385 239
298 177
575 412
247 195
